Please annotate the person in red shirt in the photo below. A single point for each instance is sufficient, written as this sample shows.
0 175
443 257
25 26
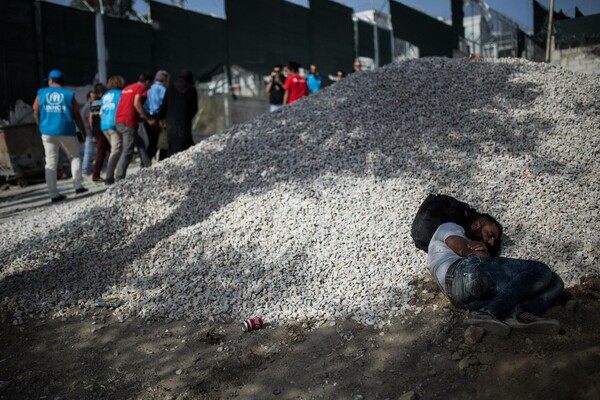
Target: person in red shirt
295 85
127 119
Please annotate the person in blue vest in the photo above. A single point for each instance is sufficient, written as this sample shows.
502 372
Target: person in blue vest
56 113
313 80
108 110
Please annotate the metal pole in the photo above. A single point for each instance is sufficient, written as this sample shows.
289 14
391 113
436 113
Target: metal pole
100 49
549 37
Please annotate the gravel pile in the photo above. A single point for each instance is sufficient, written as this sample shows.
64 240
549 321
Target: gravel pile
306 213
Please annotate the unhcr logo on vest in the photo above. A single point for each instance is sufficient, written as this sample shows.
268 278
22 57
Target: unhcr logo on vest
54 102
108 101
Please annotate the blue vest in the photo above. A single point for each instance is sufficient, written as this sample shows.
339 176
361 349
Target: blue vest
110 100
56 111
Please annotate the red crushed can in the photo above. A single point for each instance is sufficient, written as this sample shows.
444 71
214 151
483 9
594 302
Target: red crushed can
252 324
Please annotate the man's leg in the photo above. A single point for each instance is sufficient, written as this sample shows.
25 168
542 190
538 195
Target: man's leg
51 155
538 304
514 282
153 132
88 151
71 146
128 137
141 143
115 140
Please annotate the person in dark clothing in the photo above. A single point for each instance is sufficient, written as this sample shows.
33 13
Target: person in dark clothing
179 107
102 144
275 88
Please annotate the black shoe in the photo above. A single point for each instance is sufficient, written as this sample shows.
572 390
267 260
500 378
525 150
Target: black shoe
58 198
487 322
81 190
109 182
527 322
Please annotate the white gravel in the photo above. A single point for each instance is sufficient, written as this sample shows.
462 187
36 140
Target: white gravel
307 212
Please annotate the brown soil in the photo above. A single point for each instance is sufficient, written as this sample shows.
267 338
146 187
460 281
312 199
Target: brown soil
98 357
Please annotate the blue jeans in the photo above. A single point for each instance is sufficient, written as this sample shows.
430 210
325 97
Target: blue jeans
89 150
500 286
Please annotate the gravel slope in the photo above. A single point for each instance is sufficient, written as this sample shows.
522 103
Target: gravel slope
307 212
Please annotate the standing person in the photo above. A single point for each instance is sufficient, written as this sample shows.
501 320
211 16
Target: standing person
102 144
57 115
129 112
275 88
503 293
109 103
179 107
295 85
357 66
88 145
156 93
313 80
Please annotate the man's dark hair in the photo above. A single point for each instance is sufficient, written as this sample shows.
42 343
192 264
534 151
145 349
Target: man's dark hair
485 219
278 66
145 76
294 66
99 88
57 80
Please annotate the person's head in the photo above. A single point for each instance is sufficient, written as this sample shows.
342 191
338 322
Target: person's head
162 77
99 90
339 75
357 65
293 67
56 78
277 69
116 82
90 96
186 75
486 229
313 69
145 79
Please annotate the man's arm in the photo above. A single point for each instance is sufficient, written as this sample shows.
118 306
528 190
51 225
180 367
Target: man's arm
269 86
286 96
139 106
464 247
77 117
36 111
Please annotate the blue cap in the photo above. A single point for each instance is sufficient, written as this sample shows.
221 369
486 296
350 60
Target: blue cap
56 74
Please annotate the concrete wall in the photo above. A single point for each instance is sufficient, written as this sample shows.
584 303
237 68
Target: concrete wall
578 59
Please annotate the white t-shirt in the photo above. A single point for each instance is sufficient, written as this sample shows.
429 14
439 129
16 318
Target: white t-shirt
439 255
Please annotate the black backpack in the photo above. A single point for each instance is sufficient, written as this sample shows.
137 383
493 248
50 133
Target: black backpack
436 210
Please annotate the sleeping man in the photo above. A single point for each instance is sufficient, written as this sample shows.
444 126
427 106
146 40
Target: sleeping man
502 293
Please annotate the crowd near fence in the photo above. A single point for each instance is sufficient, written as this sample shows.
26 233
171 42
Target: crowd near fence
36 36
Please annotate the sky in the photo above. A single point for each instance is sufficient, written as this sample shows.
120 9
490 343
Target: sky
520 11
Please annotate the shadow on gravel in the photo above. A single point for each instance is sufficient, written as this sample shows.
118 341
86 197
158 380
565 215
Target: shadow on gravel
400 132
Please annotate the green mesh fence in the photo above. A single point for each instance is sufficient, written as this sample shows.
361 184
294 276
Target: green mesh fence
434 38
185 39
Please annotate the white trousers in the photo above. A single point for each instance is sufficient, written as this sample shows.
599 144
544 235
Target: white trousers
70 145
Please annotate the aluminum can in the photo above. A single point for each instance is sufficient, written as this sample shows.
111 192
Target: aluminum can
252 324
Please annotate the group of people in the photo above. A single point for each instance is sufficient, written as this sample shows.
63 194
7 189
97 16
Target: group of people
286 84
110 122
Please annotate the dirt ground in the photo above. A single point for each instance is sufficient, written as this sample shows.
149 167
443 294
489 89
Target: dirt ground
423 356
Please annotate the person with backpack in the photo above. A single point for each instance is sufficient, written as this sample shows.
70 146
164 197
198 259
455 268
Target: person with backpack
502 293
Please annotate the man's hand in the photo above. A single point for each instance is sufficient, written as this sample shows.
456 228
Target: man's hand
478 248
463 247
151 121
